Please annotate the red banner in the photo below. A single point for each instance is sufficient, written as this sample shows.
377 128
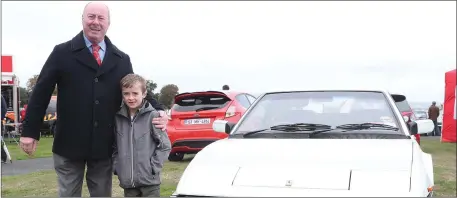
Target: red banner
448 131
7 63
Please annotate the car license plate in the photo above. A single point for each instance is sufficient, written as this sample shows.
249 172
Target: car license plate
197 121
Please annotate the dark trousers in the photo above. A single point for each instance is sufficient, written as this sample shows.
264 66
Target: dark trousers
3 150
436 130
3 154
70 175
144 191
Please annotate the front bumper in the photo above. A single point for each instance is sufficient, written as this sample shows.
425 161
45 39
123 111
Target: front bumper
190 145
337 193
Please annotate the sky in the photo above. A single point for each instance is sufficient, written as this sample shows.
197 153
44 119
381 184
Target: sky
404 47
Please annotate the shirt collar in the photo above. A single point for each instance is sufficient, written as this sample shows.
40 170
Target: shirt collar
102 44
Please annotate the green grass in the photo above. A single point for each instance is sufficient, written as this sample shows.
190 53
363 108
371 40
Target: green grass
44 149
44 183
444 161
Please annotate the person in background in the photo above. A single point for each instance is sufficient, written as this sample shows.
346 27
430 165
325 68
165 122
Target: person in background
146 160
22 112
433 114
87 70
225 87
4 110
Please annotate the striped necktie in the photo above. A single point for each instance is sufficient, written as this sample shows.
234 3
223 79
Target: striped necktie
95 49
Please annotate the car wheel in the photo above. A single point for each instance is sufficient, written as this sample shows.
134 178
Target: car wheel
174 157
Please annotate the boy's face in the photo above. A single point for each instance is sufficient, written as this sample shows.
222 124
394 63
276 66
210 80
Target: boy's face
133 96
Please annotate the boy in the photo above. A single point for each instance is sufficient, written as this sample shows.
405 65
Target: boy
140 148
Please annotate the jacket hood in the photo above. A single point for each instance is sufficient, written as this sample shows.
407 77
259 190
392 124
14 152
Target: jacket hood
145 107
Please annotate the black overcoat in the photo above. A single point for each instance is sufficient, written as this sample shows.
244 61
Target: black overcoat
88 98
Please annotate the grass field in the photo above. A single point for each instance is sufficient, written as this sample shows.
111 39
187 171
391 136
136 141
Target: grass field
444 161
44 149
44 183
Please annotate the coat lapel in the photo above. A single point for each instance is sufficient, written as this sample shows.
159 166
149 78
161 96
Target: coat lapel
111 59
83 55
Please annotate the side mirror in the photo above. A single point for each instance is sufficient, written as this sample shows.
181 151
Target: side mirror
425 126
421 126
223 126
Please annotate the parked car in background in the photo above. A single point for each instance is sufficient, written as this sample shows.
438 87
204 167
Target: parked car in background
49 119
288 145
192 115
440 119
407 111
421 114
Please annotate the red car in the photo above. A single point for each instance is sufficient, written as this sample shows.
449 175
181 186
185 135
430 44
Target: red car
192 116
406 110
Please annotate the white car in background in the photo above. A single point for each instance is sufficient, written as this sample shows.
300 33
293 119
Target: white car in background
423 114
347 143
440 119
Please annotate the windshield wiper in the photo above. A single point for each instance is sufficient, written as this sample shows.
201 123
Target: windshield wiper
365 126
205 108
253 132
292 128
309 126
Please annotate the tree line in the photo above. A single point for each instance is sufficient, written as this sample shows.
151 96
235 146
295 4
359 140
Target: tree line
165 96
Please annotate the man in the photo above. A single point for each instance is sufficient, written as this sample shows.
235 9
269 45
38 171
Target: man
22 112
4 110
433 114
87 70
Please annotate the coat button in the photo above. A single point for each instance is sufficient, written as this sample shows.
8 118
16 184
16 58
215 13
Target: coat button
96 79
96 102
95 124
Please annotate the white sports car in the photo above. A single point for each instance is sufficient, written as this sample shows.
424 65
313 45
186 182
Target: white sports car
322 143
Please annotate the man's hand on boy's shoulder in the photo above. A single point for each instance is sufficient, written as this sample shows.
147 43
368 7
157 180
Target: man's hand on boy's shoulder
161 122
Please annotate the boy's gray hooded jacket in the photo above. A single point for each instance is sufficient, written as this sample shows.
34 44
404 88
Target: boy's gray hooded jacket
140 148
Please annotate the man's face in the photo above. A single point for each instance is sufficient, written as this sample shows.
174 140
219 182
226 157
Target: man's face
95 22
133 96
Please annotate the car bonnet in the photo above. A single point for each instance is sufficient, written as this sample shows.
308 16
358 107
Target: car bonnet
327 164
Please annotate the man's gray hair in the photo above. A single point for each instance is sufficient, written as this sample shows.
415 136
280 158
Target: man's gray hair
109 18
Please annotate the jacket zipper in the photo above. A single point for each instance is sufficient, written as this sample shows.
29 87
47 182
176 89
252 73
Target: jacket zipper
131 149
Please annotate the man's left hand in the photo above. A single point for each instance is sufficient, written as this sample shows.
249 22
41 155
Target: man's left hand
161 122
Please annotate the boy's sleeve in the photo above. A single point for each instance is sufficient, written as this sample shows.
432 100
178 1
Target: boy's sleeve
163 148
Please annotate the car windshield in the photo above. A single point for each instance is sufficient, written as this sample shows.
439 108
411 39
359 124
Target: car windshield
200 102
330 108
403 106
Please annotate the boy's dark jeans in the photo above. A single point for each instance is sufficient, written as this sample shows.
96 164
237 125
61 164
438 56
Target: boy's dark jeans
144 191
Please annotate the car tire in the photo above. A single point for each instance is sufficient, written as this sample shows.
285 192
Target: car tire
176 157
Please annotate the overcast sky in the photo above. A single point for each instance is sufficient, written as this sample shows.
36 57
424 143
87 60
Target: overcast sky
405 47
